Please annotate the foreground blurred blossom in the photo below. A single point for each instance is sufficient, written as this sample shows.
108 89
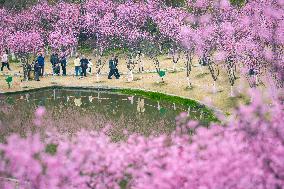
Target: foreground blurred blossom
39 113
247 152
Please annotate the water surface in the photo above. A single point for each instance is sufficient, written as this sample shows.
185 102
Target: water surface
70 110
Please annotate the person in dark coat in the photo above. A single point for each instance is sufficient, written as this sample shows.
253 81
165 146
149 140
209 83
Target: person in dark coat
63 62
37 70
84 65
40 61
54 60
111 65
116 73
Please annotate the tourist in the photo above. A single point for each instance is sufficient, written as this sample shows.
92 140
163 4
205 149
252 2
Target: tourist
5 61
63 62
40 60
116 73
77 65
112 68
37 70
90 65
54 62
84 65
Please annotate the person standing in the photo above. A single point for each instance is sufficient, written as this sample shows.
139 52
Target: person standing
5 61
90 66
54 60
40 60
63 62
37 70
77 65
84 65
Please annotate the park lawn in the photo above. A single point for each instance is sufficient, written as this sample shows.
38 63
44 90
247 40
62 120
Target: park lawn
174 82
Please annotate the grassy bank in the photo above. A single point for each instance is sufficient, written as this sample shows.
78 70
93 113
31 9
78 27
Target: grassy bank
172 99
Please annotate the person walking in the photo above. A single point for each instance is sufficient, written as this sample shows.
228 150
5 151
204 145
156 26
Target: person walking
77 65
112 68
40 60
84 65
4 60
116 73
63 62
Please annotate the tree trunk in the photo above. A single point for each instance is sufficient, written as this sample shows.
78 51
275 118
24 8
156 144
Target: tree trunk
169 53
47 51
201 69
188 82
214 87
256 80
54 95
188 111
232 91
130 75
98 77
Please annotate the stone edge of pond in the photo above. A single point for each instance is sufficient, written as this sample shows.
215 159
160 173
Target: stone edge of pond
135 91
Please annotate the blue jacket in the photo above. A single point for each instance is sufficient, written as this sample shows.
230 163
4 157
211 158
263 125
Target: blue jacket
40 60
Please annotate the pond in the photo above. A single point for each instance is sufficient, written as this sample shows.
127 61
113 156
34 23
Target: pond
70 110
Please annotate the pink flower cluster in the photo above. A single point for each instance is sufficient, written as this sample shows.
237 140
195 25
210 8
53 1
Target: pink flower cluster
246 152
249 35
60 25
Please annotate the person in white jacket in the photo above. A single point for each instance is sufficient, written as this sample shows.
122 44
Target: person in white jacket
5 60
77 65
90 66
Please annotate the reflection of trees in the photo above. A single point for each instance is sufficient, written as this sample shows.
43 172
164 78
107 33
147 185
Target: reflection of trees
27 97
158 106
78 102
131 98
140 105
78 113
